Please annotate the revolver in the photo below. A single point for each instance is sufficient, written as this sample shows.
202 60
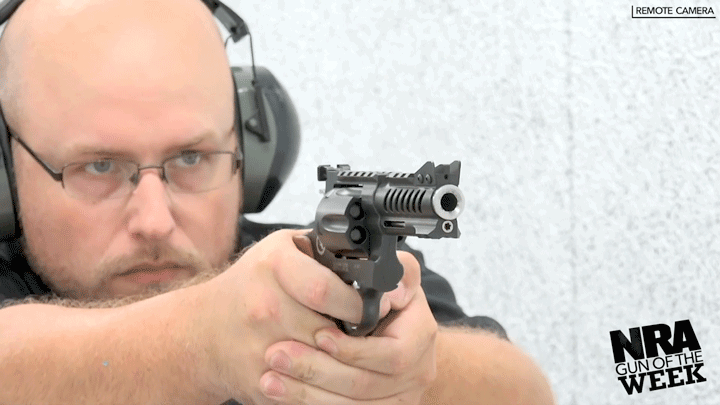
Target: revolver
362 217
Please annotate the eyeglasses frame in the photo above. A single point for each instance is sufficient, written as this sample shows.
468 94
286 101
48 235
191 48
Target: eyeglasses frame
58 175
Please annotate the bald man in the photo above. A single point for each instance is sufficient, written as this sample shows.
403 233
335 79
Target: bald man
146 304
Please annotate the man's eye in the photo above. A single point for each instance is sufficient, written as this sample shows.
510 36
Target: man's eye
100 167
188 159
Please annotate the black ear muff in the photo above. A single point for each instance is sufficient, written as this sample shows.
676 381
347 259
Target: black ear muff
270 134
8 217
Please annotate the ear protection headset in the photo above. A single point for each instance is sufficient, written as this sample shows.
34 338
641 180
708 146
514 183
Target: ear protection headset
267 127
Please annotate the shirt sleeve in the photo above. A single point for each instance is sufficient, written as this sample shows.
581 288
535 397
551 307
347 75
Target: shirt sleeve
12 285
17 281
443 304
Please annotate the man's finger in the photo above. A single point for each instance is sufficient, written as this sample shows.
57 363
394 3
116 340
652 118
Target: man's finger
318 369
317 287
390 350
408 286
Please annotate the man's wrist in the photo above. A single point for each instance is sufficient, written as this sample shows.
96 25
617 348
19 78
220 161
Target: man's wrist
181 316
201 335
476 365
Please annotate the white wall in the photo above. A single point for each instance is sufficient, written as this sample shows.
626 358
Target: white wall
590 151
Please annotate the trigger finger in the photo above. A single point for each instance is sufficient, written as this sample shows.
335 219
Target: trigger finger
396 299
399 298
411 269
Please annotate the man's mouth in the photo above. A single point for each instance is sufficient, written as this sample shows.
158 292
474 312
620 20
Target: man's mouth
153 274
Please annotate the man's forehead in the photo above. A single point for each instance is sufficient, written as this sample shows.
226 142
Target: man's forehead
132 49
46 11
126 146
56 27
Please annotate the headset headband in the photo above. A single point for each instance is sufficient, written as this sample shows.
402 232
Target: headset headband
232 22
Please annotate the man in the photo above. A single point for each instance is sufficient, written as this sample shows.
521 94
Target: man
153 311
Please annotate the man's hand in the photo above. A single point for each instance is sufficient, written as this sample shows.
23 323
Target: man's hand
394 365
273 293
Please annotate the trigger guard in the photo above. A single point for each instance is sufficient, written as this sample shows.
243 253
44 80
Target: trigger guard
371 314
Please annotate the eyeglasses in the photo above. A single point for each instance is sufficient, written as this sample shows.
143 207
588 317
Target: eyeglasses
187 172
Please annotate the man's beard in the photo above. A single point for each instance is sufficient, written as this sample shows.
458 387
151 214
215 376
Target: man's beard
63 285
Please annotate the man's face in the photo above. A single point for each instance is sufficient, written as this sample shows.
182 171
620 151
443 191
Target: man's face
132 93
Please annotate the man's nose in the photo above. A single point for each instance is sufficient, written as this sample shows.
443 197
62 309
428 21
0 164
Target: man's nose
150 207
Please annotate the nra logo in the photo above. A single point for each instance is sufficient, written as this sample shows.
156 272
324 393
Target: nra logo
679 365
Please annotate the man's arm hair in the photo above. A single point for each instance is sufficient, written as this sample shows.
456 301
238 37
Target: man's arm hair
148 351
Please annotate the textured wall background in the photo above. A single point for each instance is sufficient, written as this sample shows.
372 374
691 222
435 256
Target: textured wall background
590 151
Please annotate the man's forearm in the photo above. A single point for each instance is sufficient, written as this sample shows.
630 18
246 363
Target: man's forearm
478 367
139 353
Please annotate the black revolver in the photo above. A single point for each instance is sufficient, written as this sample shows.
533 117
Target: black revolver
362 217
